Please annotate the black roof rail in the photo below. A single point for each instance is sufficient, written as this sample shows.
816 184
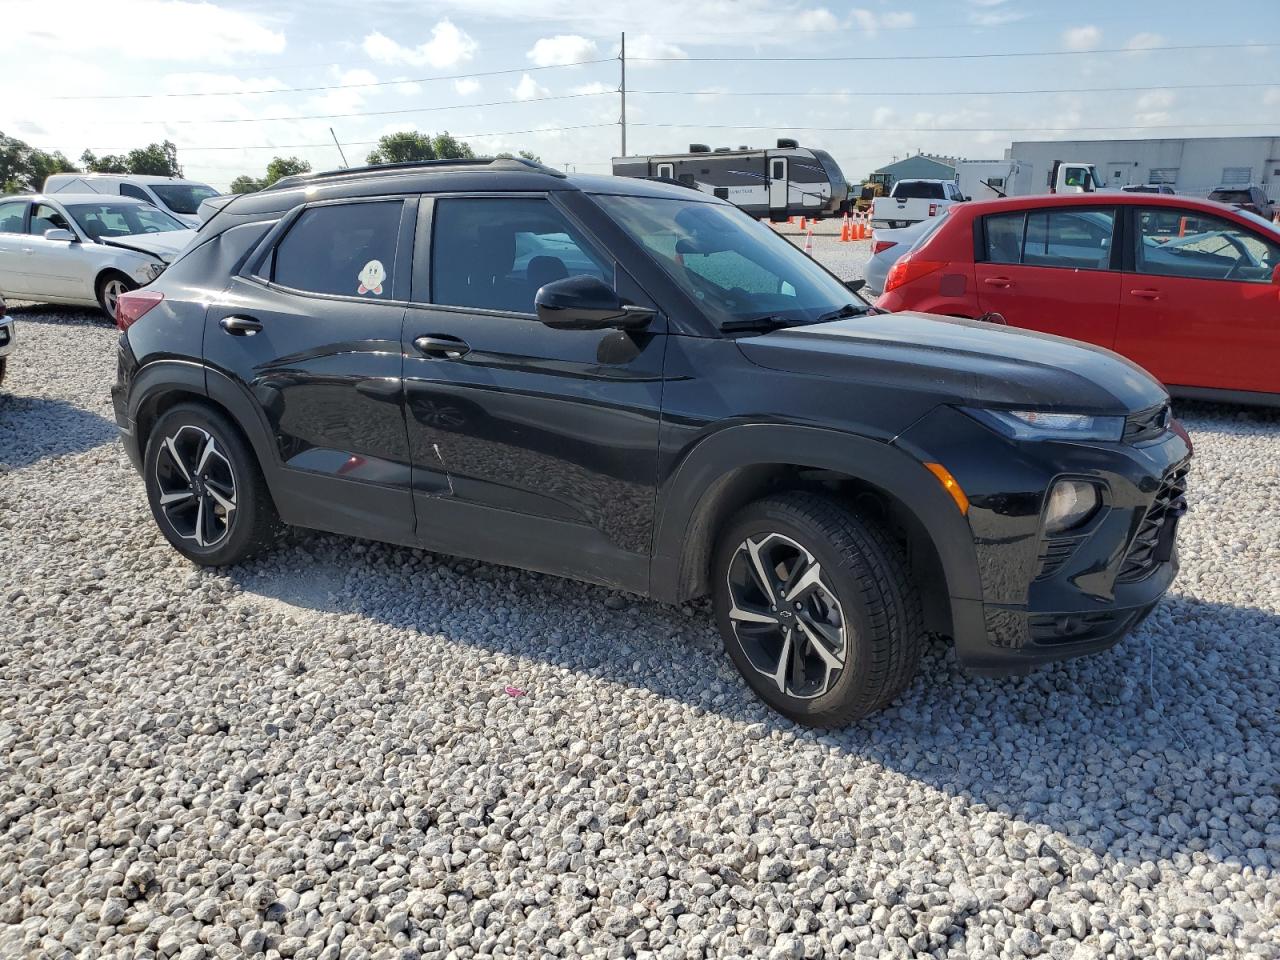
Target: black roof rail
503 163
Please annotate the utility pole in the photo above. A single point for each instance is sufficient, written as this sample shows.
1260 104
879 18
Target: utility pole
623 90
339 146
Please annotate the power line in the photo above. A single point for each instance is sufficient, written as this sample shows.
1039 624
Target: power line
381 113
362 143
936 93
331 86
960 56
785 126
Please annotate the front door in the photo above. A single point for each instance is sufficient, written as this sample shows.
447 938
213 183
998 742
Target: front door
1201 307
778 184
533 446
57 268
1052 270
311 333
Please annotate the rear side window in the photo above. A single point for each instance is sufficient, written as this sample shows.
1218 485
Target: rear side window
131 190
1076 239
345 249
494 253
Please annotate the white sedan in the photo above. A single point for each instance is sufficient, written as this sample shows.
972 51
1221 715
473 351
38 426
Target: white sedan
83 249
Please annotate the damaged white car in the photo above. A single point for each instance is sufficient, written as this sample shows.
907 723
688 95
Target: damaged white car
83 249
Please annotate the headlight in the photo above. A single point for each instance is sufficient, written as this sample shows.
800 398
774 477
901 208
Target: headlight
1071 503
1041 425
149 271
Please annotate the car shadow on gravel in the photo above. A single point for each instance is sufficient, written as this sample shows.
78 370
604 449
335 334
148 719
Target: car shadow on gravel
1125 753
53 314
39 428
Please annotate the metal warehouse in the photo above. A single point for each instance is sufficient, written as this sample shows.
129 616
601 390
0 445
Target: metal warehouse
1190 165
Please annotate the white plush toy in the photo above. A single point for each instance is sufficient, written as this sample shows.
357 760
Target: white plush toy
371 277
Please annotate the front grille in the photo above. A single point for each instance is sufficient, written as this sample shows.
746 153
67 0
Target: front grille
1148 424
1141 559
1049 628
1055 552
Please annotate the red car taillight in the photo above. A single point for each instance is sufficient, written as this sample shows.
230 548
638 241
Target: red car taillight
131 306
880 246
907 269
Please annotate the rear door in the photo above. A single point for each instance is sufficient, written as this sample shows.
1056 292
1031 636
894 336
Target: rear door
311 332
1051 269
531 446
1200 305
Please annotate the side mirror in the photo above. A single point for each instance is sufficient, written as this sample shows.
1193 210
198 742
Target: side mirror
587 303
58 233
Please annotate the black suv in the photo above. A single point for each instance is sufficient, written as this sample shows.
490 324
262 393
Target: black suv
640 386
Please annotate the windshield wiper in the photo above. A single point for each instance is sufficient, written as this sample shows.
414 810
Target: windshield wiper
758 323
848 310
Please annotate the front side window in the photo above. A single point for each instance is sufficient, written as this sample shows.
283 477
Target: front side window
183 197
108 220
11 216
45 217
1186 243
494 253
135 191
734 267
342 249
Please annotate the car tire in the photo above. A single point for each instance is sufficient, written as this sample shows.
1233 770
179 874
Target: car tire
846 610
4 366
110 285
205 488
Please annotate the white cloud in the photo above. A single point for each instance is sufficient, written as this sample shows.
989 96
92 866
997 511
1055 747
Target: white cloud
447 47
407 87
342 101
644 45
1081 38
186 30
1156 100
529 89
561 50
814 20
592 88
466 86
872 23
1145 41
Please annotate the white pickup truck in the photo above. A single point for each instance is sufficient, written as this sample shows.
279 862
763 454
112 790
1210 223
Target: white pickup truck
911 201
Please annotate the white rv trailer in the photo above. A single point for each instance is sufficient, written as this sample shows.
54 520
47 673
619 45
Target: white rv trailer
786 181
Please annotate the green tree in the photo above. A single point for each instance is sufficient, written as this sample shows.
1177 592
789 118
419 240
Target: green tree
523 154
42 165
448 147
246 184
402 147
108 163
156 160
281 167
13 163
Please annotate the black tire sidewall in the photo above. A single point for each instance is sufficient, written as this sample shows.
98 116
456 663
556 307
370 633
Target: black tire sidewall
243 538
847 694
102 289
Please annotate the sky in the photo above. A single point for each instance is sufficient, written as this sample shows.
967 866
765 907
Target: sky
222 79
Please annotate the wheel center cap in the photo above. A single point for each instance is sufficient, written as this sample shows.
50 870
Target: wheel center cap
785 614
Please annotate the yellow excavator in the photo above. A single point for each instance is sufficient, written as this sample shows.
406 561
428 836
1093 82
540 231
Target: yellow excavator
877 185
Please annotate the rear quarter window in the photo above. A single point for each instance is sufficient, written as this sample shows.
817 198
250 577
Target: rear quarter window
343 249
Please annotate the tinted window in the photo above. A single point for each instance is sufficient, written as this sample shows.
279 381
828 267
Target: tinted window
45 217
11 216
183 197
1004 237
494 253
918 190
131 190
347 249
1184 243
1069 238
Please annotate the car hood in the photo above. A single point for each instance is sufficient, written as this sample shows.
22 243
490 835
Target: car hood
961 361
166 245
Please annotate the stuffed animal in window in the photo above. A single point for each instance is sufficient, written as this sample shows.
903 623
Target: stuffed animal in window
371 277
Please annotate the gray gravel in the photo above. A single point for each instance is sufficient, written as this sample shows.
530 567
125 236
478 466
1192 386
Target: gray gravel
356 750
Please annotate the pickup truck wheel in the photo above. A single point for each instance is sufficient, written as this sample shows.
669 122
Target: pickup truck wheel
817 608
205 488
110 286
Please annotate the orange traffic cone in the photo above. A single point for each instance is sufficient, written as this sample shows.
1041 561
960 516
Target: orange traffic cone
846 231
804 224
864 229
808 240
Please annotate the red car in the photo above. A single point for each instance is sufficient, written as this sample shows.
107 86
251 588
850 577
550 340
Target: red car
1189 289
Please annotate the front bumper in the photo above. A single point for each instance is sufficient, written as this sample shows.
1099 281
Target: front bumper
1044 598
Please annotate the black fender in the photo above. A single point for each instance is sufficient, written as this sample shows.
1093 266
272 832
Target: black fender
685 530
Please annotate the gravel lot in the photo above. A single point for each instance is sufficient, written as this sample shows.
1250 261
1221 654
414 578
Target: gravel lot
316 755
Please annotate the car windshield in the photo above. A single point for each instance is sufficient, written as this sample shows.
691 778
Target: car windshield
736 268
182 197
108 220
918 190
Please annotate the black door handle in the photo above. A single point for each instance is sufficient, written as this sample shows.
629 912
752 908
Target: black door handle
240 326
440 346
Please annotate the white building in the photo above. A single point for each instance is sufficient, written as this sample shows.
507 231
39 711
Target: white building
1193 165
